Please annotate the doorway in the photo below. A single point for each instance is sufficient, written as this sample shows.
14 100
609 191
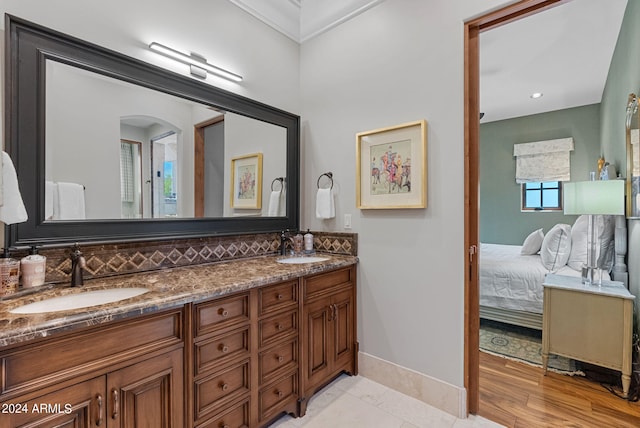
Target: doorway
472 30
164 183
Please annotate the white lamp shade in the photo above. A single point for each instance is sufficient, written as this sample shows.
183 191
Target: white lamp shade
594 197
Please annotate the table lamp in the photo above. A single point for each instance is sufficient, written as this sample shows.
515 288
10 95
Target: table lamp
603 197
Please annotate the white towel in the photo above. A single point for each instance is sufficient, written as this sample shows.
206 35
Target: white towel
324 204
50 189
12 209
275 200
71 200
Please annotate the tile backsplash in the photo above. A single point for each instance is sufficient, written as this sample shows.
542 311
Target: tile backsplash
125 258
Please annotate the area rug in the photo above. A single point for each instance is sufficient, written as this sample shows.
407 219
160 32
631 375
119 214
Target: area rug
522 344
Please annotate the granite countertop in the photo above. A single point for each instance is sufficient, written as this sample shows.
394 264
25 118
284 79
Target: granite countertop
170 288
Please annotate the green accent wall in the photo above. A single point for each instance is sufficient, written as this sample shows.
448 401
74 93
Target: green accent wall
501 221
623 78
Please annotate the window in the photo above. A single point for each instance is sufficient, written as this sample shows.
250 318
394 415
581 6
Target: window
545 196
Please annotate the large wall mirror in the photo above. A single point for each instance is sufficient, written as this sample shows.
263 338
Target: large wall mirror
633 157
111 148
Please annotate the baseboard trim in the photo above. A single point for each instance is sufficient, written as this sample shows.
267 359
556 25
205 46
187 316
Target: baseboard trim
442 395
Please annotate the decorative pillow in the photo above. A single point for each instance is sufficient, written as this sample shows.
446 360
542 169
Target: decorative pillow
556 247
532 243
605 244
578 255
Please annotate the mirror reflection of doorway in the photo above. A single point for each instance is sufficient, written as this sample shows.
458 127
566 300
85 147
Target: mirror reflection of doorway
131 179
164 167
209 150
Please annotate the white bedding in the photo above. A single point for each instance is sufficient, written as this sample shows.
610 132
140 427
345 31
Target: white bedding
509 280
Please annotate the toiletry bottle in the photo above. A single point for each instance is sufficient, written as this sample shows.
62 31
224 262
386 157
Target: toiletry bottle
308 242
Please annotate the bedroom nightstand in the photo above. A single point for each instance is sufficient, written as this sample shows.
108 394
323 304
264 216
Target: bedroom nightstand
588 323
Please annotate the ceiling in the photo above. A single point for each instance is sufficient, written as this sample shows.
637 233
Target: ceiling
301 20
564 52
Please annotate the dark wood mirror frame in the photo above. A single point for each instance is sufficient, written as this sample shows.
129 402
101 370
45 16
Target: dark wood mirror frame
28 46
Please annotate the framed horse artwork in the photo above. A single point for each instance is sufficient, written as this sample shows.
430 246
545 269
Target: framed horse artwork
391 167
246 181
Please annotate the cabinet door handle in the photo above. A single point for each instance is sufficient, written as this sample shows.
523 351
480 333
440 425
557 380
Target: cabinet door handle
100 402
223 312
114 398
223 348
335 311
332 314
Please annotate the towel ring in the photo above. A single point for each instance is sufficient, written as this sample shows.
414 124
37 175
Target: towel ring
327 174
281 180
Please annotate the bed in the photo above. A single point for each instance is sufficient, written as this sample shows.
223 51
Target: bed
511 282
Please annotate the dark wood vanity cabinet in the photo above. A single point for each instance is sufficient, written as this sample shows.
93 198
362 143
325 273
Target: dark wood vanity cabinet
241 360
264 352
127 374
329 329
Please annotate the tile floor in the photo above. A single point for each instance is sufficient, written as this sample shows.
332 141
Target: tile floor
357 402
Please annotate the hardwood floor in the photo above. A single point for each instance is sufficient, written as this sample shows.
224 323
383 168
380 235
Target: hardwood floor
518 395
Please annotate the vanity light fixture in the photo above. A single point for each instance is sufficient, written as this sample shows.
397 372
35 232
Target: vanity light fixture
536 95
199 65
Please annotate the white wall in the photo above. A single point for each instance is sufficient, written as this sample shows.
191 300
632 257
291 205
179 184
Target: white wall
398 62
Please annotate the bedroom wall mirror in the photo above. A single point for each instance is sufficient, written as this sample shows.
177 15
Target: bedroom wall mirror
70 105
633 158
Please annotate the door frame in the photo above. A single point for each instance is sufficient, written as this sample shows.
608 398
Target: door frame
472 30
199 165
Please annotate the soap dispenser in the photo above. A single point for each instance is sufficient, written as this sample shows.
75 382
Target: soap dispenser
308 242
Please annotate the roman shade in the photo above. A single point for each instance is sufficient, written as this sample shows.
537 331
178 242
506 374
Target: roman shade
543 161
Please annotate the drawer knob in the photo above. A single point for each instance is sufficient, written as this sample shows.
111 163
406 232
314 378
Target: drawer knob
223 312
223 425
280 297
280 394
280 358
223 348
224 386
279 327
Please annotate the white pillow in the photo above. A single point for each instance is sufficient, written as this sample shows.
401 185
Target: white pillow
578 255
605 244
532 243
556 247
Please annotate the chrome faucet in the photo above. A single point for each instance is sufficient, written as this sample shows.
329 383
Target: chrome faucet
78 263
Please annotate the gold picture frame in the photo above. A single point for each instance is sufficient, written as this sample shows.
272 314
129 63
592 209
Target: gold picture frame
246 181
391 167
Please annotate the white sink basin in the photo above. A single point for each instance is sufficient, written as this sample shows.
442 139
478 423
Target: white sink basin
79 300
301 260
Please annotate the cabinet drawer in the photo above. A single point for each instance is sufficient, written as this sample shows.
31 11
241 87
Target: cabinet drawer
278 296
278 359
221 388
276 327
221 348
324 282
59 359
235 417
277 394
220 313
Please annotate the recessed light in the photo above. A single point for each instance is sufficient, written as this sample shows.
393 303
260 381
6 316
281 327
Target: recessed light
536 95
